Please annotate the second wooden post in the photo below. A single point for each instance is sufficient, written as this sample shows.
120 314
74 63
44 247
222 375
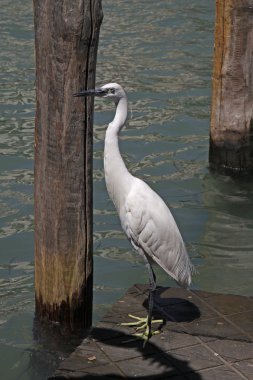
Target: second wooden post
231 135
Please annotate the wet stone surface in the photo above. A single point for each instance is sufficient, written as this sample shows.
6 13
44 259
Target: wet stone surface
204 336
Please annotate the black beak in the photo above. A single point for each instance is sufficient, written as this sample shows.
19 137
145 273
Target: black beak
95 92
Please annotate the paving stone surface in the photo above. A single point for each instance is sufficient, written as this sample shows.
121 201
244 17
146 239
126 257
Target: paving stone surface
205 336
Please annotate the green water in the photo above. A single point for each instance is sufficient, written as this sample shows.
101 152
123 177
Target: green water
161 52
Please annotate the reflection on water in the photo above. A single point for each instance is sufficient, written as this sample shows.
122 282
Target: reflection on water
227 241
162 54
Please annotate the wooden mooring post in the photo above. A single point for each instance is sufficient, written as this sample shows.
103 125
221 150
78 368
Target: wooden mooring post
66 40
231 135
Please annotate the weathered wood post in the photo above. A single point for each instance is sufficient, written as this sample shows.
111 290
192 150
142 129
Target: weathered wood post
231 135
66 40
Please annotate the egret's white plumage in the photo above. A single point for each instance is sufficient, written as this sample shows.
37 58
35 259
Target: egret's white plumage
145 218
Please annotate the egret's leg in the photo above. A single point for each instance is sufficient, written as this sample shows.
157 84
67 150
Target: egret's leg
152 289
145 323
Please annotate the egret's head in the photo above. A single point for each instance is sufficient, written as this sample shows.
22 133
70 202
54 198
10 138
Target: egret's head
110 90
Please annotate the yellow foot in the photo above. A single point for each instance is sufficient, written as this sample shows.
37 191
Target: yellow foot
142 323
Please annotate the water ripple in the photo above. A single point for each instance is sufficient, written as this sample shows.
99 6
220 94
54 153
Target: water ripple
23 224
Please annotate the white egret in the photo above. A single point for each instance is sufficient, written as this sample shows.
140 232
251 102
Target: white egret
144 216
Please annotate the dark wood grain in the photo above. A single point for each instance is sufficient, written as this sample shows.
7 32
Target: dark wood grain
66 40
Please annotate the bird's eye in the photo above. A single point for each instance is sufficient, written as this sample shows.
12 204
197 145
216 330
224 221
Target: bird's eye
111 91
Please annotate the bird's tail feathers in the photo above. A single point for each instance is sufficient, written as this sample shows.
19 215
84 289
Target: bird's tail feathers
178 265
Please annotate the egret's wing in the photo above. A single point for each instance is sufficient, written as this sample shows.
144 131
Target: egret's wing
151 227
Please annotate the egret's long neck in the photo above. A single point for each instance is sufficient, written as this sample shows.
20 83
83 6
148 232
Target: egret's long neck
117 176
120 115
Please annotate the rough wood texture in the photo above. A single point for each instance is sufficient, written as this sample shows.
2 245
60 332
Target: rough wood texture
66 39
231 142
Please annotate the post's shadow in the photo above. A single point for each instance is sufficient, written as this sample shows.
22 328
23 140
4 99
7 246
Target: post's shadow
150 358
52 345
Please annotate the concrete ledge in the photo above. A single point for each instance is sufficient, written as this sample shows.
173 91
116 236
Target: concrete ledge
206 336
